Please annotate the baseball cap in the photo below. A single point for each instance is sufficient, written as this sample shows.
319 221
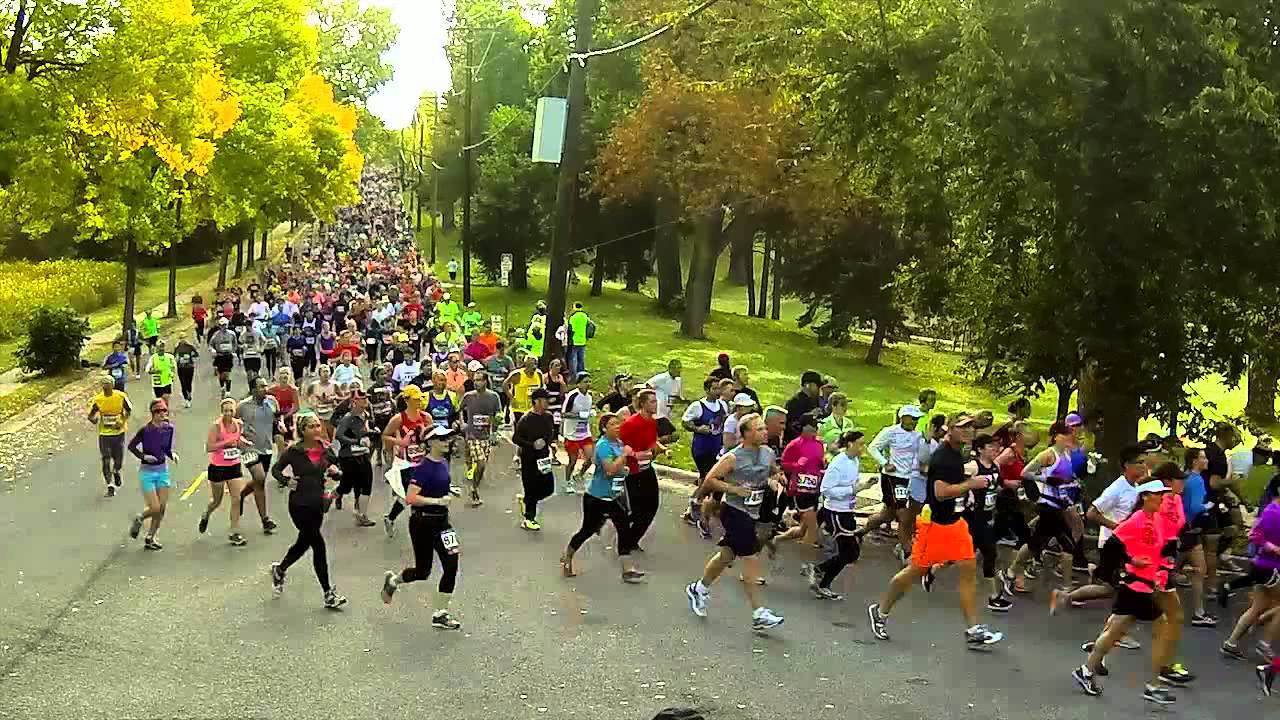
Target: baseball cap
960 419
810 377
582 375
1074 420
439 432
1167 471
539 394
911 410
1152 486
475 365
743 400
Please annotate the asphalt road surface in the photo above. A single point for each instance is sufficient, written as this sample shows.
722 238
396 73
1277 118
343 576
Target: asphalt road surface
93 626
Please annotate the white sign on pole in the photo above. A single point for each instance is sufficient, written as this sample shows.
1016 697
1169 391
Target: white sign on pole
496 322
506 263
549 125
505 280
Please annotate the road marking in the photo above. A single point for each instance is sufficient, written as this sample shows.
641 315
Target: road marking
195 485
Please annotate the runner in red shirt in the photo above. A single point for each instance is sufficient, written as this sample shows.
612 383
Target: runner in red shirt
639 432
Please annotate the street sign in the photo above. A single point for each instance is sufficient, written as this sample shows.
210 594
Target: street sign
506 264
496 322
506 278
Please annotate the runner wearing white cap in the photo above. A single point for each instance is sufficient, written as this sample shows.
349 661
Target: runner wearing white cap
904 444
575 414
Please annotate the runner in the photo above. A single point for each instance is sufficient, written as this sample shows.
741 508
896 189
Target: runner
1264 573
153 446
134 341
1058 490
519 386
407 370
310 489
150 331
481 410
601 500
576 428
906 446
287 403
321 397
704 418
804 462
535 436
499 365
840 487
640 432
354 458
224 444
117 364
744 475
251 342
979 515
668 386
405 439
224 344
835 425
186 355
804 401
1143 538
258 414
430 531
109 411
298 350
943 537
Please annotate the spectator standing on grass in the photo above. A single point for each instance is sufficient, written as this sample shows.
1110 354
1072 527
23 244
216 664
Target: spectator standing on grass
742 377
804 402
581 330
723 369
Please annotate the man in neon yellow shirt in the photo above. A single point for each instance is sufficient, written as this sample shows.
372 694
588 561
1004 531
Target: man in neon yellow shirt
160 366
150 330
580 331
537 333
448 311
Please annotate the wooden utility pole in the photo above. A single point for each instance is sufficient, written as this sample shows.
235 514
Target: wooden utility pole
567 188
466 184
435 173
417 186
172 309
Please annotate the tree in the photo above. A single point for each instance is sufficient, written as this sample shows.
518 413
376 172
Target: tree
352 43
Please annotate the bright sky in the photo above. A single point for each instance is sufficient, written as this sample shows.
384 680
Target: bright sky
418 55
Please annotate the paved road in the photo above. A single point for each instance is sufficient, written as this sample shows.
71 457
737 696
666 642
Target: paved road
94 627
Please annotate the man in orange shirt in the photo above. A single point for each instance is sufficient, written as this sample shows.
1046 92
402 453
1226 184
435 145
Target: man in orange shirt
455 375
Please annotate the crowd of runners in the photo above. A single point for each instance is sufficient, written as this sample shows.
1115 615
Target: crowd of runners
357 363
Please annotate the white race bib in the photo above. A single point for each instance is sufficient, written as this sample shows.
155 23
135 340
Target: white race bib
807 483
224 347
619 486
555 417
449 539
112 422
299 352
544 465
1022 493
480 422
757 497
581 427
231 453
990 502
900 492
644 459
249 457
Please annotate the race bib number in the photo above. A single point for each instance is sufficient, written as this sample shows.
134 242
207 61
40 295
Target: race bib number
230 453
117 372
619 486
899 492
270 344
224 347
480 423
555 417
414 454
449 539
371 341
1022 493
807 483
581 427
249 457
990 502
299 352
644 459
440 422
755 499
112 422
544 465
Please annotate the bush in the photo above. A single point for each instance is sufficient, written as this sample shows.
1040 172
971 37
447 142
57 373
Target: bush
55 337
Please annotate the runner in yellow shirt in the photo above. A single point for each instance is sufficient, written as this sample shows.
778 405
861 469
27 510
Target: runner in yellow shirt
519 385
110 411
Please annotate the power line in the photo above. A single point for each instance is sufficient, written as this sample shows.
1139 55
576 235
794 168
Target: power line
495 133
582 57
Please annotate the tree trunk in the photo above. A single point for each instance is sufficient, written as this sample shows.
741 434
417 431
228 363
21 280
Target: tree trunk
667 250
1065 389
447 222
130 283
741 248
751 283
775 311
16 40
1261 405
877 342
597 275
251 236
765 267
172 310
239 250
1089 400
519 277
1115 424
263 252
707 246
225 241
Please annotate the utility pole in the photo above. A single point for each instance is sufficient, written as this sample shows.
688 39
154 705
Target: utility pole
567 188
435 172
466 185
417 187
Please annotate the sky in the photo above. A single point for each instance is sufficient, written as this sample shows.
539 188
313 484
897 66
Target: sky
418 58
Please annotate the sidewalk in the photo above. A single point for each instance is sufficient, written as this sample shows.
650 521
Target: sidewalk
12 380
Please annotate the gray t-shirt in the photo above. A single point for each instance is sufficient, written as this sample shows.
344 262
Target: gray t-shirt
480 410
499 368
259 421
751 470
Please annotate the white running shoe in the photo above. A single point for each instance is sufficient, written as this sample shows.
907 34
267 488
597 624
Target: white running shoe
697 599
765 619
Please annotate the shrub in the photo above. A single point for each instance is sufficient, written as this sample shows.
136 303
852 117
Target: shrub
55 337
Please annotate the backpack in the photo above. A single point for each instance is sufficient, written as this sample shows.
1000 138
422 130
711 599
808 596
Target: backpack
591 329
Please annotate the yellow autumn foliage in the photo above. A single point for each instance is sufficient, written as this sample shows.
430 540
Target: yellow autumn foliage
85 285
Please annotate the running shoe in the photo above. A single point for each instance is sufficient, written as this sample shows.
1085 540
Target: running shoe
1232 650
1176 674
204 522
927 580
1008 542
187 404
980 637
810 573
826 594
389 526
765 619
475 500
151 544
1031 571
118 479
1006 581
1204 620
1127 642
277 579
237 540
388 587
135 526
1266 677
999 603
878 622
1087 681
363 520
697 599
531 525
268 526
633 577
333 601
571 487
689 519
1158 694
444 621
1224 594
111 491
703 530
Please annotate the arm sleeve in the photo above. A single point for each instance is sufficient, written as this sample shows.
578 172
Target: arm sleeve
346 430
835 484
876 449
520 436
790 454
277 470
134 444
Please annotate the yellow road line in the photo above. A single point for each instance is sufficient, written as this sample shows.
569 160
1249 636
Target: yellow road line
195 485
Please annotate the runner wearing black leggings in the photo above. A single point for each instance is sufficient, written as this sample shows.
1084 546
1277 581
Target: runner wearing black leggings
311 489
429 529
